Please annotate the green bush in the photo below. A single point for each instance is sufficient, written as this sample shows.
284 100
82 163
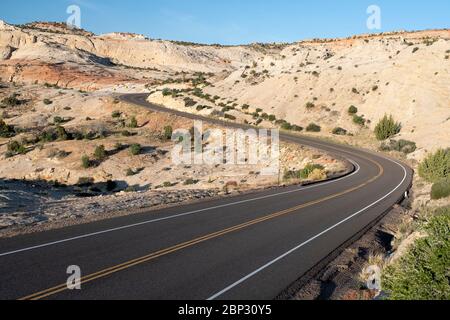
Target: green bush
116 114
339 131
168 132
130 172
189 102
100 153
85 181
6 131
387 128
230 117
85 162
126 133
436 166
286 126
302 174
58 120
135 149
47 102
312 127
310 105
359 120
133 123
15 147
166 92
404 146
190 182
48 136
12 101
352 110
61 134
440 189
423 273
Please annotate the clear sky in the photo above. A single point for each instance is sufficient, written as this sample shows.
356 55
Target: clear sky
234 21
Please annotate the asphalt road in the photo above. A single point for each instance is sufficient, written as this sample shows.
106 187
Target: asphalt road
248 247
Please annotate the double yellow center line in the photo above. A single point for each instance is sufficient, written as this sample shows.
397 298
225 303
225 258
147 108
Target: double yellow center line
129 264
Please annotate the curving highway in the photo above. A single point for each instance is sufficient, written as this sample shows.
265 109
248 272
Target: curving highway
250 246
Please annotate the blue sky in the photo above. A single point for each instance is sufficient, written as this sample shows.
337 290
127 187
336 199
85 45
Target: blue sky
234 21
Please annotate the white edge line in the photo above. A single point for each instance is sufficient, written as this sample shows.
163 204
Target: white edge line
217 295
358 168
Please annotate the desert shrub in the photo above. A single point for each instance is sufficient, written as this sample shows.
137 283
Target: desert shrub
317 175
135 149
312 127
61 133
116 114
230 117
85 181
166 92
47 102
168 132
296 128
272 118
189 102
339 131
58 120
436 166
131 189
290 175
60 154
133 122
15 147
304 173
352 110
422 274
190 182
440 189
387 128
286 126
359 120
404 146
310 105
11 101
415 49
245 107
85 162
126 133
47 136
100 153
6 131
130 172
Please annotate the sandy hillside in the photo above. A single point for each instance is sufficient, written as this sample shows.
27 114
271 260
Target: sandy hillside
57 89
403 74
406 75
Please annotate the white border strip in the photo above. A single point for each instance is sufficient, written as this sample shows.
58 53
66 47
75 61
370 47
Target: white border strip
358 168
220 293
